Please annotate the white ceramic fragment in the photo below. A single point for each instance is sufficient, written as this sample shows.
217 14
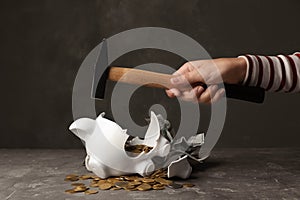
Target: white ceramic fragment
105 141
180 168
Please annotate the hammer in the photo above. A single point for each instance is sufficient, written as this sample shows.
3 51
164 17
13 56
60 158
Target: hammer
156 80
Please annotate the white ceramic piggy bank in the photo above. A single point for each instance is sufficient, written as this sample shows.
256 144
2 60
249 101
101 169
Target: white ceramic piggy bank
105 141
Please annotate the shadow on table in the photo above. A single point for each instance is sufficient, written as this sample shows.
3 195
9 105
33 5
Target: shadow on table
204 166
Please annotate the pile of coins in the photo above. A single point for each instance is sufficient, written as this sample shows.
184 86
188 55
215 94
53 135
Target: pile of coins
156 181
137 148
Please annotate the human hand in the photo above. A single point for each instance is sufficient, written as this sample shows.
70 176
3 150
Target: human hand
189 80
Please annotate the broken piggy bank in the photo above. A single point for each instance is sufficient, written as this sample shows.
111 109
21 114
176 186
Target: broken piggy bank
105 146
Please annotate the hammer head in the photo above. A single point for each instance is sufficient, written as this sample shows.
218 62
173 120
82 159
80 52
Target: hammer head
100 73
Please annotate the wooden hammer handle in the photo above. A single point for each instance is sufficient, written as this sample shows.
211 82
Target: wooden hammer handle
159 80
140 77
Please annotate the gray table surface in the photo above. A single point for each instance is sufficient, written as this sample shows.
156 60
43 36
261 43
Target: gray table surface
227 174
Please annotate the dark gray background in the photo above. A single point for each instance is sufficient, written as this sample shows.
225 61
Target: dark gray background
43 43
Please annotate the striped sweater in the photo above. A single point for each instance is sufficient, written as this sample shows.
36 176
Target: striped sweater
274 73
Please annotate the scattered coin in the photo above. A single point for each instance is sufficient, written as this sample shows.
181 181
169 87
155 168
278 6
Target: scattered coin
77 184
71 177
102 181
113 180
129 187
188 185
147 180
132 178
97 178
144 187
91 192
157 173
94 185
121 184
158 187
157 181
93 181
80 188
115 188
134 183
84 177
163 181
105 186
70 191
175 186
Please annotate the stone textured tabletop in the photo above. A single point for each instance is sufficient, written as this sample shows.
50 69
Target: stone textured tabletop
227 174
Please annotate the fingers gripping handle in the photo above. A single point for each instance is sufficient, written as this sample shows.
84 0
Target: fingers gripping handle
240 92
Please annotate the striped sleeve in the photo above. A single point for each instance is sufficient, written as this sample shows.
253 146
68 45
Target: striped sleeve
274 73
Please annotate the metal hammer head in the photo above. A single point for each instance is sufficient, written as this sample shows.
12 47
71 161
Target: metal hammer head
100 73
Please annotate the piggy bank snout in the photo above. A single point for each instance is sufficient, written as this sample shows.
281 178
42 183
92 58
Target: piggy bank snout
83 127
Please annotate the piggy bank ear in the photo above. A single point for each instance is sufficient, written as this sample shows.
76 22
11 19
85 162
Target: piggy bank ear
83 127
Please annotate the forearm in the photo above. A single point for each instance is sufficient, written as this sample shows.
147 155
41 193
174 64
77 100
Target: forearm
273 73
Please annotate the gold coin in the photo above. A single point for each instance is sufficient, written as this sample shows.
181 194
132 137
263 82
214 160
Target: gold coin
136 151
155 173
129 187
93 181
135 183
148 180
144 187
70 191
121 184
72 179
139 146
113 180
84 177
131 178
105 186
95 177
94 185
102 181
77 184
123 177
115 188
188 185
138 179
155 181
71 175
174 186
160 173
163 181
80 188
91 192
147 149
158 187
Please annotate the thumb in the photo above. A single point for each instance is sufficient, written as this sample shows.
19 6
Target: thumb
187 79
